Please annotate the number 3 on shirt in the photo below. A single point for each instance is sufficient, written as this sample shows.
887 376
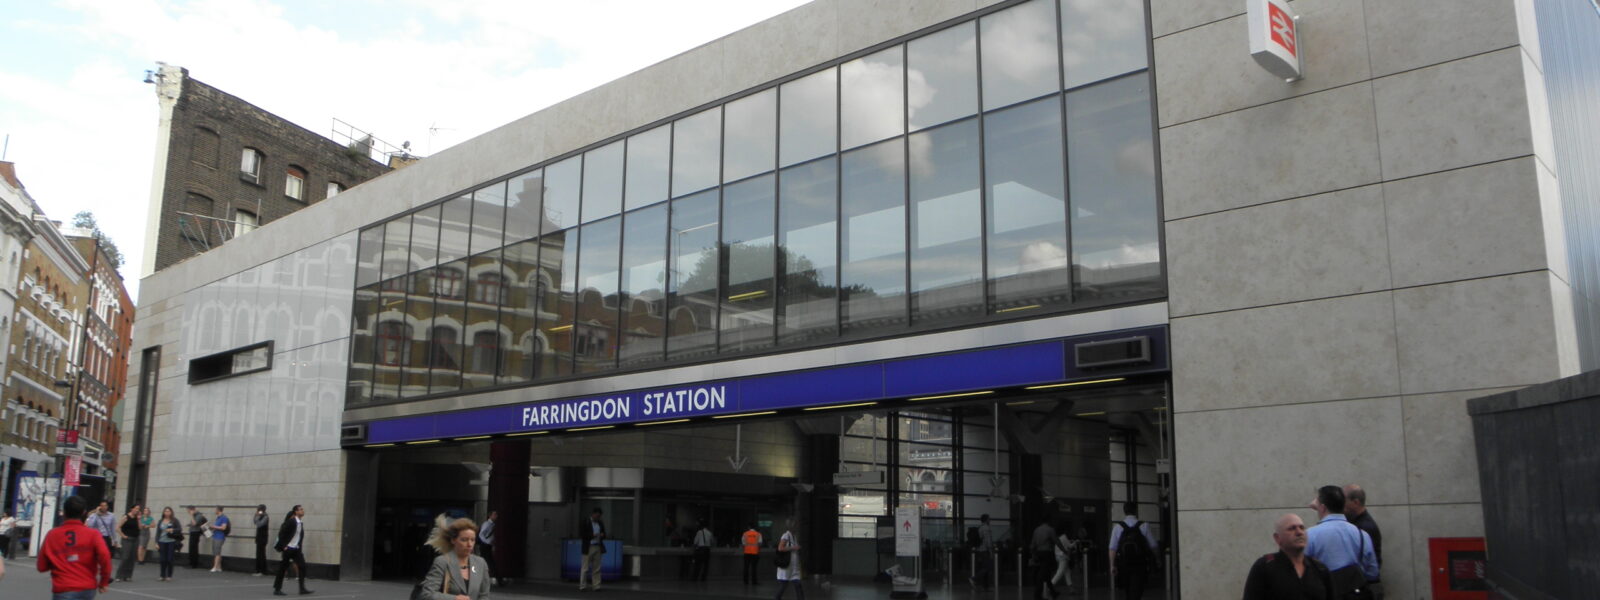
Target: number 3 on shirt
72 538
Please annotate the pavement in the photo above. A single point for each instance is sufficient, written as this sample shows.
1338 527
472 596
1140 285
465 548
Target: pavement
23 581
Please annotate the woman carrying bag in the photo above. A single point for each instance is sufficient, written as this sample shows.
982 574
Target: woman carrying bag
128 535
169 535
788 562
457 574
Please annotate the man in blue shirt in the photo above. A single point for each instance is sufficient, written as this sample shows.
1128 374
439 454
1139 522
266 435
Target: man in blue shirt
1337 543
221 526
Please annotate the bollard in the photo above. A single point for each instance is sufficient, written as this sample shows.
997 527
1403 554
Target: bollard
1020 567
949 566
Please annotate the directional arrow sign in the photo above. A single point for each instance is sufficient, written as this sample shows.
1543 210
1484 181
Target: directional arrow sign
736 461
908 539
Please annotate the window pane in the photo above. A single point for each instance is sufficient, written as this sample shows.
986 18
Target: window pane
696 141
363 323
445 349
558 270
369 256
487 290
425 238
946 230
751 132
602 182
807 120
873 271
524 206
419 316
526 281
942 75
748 221
396 248
692 301
808 225
1027 208
561 181
644 279
454 228
872 97
1116 251
1020 58
1101 38
488 217
647 167
595 335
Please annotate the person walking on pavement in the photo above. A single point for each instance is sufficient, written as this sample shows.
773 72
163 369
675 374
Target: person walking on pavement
984 553
147 524
457 573
751 542
128 537
197 528
486 545
291 542
1288 574
1133 551
703 541
593 534
7 523
1064 550
261 521
104 523
1044 546
221 526
789 563
1355 509
76 556
169 535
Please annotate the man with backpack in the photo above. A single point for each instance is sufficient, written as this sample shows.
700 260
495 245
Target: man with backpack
1345 549
1133 552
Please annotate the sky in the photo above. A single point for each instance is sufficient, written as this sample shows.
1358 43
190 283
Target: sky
80 123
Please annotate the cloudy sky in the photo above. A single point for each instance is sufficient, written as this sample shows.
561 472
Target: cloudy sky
81 122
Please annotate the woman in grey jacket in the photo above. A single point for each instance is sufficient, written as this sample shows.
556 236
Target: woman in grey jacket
457 574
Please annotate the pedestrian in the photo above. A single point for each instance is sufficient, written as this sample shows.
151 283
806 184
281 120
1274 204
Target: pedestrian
291 543
1288 574
1133 552
486 545
703 541
1064 549
752 543
1344 548
457 573
984 553
169 535
7 522
1043 545
104 523
593 534
261 521
788 563
128 537
1355 509
147 524
197 528
77 558
221 526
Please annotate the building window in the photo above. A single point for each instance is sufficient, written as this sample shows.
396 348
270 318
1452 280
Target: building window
244 222
491 288
334 188
447 282
486 352
294 184
442 350
250 165
239 361
394 343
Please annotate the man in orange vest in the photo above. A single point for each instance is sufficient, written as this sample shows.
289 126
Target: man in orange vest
752 553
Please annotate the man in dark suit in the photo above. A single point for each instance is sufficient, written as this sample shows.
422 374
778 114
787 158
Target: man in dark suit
593 534
291 542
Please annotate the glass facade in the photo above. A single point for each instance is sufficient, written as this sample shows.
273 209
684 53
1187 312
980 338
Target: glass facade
998 168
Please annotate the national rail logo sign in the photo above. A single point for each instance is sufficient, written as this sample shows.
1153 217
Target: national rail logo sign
1275 38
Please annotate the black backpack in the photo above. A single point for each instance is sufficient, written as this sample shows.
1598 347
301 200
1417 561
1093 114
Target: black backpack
1133 549
974 539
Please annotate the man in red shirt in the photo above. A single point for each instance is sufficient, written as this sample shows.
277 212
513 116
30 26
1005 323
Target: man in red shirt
76 557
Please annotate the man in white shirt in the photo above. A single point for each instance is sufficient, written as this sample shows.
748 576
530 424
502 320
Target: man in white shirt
6 523
486 545
291 542
1136 562
703 541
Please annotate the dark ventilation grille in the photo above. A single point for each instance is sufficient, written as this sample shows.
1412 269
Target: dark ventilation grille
1112 353
353 434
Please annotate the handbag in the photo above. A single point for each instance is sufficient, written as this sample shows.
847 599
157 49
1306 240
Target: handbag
781 559
418 593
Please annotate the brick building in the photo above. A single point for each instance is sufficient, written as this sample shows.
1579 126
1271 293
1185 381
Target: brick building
102 359
225 166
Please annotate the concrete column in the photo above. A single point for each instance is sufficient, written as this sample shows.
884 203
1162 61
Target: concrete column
508 494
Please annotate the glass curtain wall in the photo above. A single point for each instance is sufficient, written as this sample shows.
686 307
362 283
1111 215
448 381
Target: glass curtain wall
999 168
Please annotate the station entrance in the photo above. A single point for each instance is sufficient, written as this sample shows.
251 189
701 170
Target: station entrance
1070 455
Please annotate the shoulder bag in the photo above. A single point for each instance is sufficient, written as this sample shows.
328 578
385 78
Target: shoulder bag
419 593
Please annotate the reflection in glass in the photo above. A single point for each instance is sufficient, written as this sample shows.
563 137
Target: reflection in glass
602 182
369 256
873 268
946 225
1116 252
748 242
1101 38
1027 210
644 279
524 206
808 117
525 281
425 238
1020 57
363 326
396 248
692 297
454 228
808 215
696 145
647 167
561 183
872 98
751 135
487 290
488 218
595 335
556 278
942 76
444 348
419 317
